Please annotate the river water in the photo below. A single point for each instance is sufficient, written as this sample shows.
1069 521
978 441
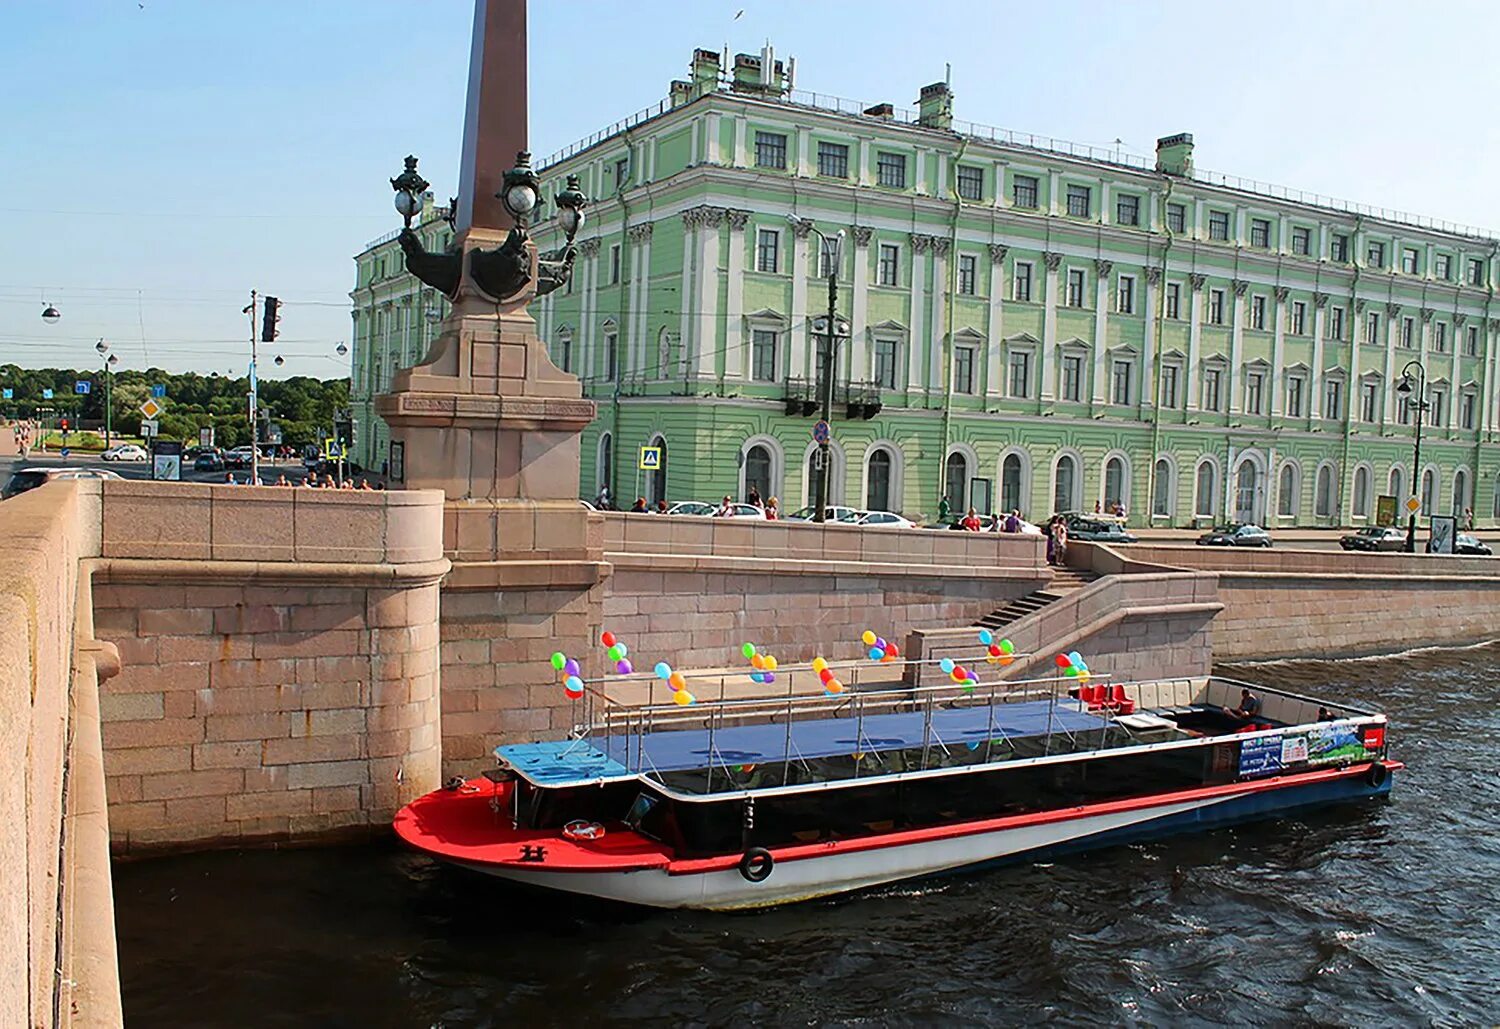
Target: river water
1386 913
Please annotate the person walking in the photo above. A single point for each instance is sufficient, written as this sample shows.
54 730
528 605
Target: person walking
1052 540
773 510
1061 535
752 497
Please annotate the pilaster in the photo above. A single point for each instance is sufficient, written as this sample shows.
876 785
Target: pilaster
705 358
937 381
1053 264
860 366
799 337
1277 385
916 339
735 360
1100 390
1194 384
994 366
1236 348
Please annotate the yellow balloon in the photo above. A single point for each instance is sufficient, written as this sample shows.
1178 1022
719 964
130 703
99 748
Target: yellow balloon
818 664
682 697
770 663
869 638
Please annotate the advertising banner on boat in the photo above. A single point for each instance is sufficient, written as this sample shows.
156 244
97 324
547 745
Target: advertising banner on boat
1332 744
1269 755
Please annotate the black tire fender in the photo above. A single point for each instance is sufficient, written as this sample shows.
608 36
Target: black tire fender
1377 774
756 865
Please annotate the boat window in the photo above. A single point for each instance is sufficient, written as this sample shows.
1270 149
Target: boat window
639 809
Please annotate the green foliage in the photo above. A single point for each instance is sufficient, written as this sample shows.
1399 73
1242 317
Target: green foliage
302 406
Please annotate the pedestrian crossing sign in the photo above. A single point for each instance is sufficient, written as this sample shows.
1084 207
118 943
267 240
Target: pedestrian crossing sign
650 459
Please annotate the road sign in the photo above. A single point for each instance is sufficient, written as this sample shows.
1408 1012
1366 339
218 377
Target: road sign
333 449
821 431
82 387
46 394
10 394
159 390
166 460
1413 505
206 436
151 408
64 452
150 427
650 459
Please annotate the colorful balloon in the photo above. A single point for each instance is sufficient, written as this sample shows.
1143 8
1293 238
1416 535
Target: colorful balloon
770 663
876 655
623 649
1007 647
1062 661
960 671
994 651
1076 658
818 664
663 670
834 686
572 667
748 650
947 665
986 637
825 676
624 667
758 661
573 684
676 681
757 677
867 638
880 643
613 653
558 660
893 650
608 639
1071 672
769 676
683 698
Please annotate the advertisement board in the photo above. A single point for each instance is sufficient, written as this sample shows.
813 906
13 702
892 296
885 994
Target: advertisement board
1385 510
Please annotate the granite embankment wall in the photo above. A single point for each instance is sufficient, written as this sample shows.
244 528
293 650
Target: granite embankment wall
280 653
529 579
57 948
1326 604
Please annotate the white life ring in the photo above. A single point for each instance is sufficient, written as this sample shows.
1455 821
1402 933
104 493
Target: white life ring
583 829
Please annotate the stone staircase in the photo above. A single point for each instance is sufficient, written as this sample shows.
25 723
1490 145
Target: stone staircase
1064 581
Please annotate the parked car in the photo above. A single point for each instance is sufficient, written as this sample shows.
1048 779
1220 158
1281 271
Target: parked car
192 453
1468 543
1235 536
698 509
208 461
835 513
239 457
125 452
30 478
884 520
1091 529
1375 537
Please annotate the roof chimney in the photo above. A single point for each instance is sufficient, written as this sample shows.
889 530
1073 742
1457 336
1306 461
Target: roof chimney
885 112
1174 154
705 71
935 106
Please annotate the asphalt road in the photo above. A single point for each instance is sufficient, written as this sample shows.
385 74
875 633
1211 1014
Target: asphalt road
270 472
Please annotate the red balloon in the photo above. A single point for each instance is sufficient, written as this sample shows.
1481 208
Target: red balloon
892 651
825 675
960 672
994 650
1062 661
608 639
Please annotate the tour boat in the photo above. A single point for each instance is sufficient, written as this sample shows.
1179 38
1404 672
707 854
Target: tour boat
745 803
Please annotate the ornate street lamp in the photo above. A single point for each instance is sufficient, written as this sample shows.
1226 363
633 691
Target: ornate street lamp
520 190
829 330
1420 406
409 187
341 350
50 315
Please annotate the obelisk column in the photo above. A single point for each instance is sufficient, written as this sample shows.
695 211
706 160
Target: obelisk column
495 113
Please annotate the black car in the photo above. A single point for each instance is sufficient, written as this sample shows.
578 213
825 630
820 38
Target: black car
1235 536
208 462
1096 530
1468 543
1375 537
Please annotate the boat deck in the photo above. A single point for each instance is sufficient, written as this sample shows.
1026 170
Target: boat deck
622 756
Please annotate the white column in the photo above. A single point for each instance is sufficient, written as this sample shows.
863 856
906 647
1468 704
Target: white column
1054 186
1237 346
1278 353
994 367
1099 392
940 187
741 142
940 258
1284 236
919 182
1149 358
859 342
585 334
1392 338
1194 376
916 339
711 150
862 176
1002 196
735 364
685 295
707 335
799 335
1200 231
643 301
1103 212
804 155
1315 374
1455 384
1052 264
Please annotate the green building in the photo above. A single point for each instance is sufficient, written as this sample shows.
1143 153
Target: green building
1033 324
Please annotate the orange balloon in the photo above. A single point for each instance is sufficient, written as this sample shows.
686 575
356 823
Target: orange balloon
834 686
1007 659
677 682
758 661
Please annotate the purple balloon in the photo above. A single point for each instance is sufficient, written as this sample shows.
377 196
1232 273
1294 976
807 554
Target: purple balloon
770 677
571 668
879 643
623 666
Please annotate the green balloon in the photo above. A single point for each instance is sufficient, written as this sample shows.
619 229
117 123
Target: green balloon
748 650
558 660
1070 670
1007 647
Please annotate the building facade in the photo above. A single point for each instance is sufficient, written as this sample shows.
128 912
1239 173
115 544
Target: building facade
1033 324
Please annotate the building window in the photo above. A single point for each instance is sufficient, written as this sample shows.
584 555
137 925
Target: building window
1260 233
1286 493
1409 260
614 265
764 345
1174 300
1216 306
1206 492
1010 483
890 170
1338 248
1361 497
1440 337
1372 328
878 493
1476 271
1301 241
1254 390
611 356
1407 325
885 363
968 273
1020 374
1333 400
758 471
963 369
833 160
1471 341
1128 209
1336 323
1442 267
1169 376
1299 318
1258 313
1075 287
1023 191
1323 507
1429 492
767 250
1218 225
1115 488
1369 403
1080 201
1125 295
770 150
827 269
564 352
1212 379
890 261
1176 218
1436 400
1161 489
1375 254
1294 391
956 482
1466 411
1072 377
1064 484
970 182
1022 284
622 173
1120 382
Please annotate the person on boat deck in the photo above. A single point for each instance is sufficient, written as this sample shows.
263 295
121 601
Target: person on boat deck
971 522
1325 715
1249 707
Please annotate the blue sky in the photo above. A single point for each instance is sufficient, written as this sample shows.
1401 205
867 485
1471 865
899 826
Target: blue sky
164 158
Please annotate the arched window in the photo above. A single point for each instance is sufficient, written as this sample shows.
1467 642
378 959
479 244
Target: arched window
1286 494
956 482
1010 483
1162 489
758 472
1115 486
878 489
1245 483
1460 491
1206 492
1396 486
1323 497
656 482
1064 484
1429 492
605 470
1361 492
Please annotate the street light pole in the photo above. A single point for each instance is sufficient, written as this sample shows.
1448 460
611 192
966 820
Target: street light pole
106 359
827 362
1420 405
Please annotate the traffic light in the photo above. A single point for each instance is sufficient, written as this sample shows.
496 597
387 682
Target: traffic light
64 425
271 317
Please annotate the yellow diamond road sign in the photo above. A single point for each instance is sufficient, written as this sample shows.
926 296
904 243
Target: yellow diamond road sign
150 408
1413 505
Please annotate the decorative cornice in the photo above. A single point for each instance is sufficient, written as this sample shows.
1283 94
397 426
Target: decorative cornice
1392 310
941 245
998 252
1458 320
1495 324
1053 261
1359 306
737 219
802 228
1240 285
641 233
590 247
1427 313
1102 268
1153 275
920 243
1281 294
862 234
1196 281
1320 300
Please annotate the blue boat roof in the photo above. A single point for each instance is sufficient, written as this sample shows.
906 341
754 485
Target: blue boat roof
590 760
